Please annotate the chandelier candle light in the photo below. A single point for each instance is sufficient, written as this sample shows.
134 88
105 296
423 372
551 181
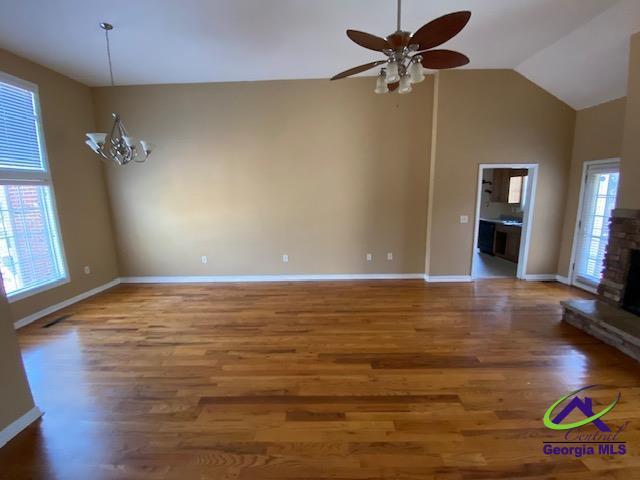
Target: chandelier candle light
408 54
117 146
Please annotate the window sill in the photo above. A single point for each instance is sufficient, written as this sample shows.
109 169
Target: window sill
34 291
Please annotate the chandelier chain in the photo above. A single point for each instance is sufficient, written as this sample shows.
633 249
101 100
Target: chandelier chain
106 35
399 13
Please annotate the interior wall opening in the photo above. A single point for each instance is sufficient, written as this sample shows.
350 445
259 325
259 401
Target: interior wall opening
503 214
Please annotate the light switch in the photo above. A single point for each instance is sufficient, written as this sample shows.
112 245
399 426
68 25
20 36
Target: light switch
464 218
204 259
369 257
285 258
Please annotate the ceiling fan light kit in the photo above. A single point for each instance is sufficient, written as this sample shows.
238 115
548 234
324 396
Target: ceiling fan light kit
408 55
381 84
117 146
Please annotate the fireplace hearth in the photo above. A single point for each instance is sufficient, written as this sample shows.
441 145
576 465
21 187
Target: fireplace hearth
614 317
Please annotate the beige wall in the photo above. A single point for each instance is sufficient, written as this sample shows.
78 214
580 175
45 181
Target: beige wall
245 172
78 182
629 194
598 136
496 116
15 399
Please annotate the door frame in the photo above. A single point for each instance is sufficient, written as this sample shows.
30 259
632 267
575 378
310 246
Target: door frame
527 217
574 244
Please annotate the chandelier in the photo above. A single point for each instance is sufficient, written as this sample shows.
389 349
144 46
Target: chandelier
117 146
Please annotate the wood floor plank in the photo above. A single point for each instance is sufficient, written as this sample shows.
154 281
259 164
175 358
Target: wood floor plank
323 380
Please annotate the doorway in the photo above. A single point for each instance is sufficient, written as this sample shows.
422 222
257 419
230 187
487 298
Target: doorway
599 189
504 208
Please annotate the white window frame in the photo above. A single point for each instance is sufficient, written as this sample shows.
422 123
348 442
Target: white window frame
40 178
573 280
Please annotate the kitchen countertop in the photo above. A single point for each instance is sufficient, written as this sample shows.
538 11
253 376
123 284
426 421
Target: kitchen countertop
510 223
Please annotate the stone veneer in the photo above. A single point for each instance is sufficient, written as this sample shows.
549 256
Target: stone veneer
624 236
608 323
604 318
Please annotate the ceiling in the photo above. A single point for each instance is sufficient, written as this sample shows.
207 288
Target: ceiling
590 64
183 41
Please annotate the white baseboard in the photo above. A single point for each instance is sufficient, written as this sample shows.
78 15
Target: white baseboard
541 277
59 306
270 278
20 424
447 278
564 280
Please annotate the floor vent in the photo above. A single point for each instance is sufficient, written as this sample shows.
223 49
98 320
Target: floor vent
57 320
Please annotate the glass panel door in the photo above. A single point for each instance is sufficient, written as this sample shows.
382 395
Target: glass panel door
599 199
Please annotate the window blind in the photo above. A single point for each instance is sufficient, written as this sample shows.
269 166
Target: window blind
600 197
29 242
31 254
19 142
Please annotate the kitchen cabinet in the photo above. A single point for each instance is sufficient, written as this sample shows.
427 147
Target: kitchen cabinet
507 242
486 232
501 180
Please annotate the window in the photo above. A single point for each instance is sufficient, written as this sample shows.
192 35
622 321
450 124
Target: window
516 189
31 255
599 198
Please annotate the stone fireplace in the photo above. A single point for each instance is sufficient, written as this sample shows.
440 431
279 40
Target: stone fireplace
614 317
631 299
624 240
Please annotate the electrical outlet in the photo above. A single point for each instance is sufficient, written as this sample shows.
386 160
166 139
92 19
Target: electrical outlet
390 256
285 258
464 218
204 259
369 257
87 269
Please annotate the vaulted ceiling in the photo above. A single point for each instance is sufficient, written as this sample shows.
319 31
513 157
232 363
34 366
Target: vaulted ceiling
576 49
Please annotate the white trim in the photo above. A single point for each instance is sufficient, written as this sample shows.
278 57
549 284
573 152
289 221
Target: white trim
585 286
59 306
18 425
564 280
574 245
447 278
527 222
527 219
541 277
271 278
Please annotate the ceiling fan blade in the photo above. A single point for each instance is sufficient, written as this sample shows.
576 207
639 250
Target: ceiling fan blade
442 59
438 31
359 69
393 86
367 40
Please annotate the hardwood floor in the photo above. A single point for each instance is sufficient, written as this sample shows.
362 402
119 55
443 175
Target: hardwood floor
362 380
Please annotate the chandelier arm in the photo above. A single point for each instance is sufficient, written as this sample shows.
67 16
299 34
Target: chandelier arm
122 129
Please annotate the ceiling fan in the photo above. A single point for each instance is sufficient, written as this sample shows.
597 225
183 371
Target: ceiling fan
407 54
